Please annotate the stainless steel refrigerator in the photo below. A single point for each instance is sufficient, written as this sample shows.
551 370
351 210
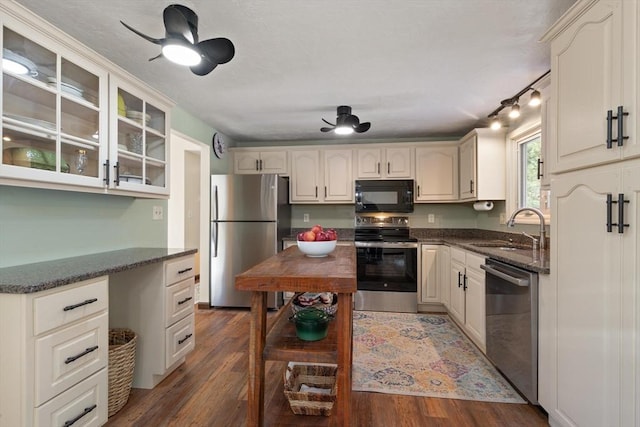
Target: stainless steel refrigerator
250 214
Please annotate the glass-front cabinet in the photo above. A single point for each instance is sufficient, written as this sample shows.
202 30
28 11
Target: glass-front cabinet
139 131
54 113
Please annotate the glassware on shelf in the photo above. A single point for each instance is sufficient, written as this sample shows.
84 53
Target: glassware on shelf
81 160
135 143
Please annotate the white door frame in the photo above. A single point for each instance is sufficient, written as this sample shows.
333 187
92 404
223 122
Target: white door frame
180 144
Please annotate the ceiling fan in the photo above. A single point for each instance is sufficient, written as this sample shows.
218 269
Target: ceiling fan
181 45
346 123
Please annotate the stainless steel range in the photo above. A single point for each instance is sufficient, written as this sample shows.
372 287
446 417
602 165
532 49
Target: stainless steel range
387 264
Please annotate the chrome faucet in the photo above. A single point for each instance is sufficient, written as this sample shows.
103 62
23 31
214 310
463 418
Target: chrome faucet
512 220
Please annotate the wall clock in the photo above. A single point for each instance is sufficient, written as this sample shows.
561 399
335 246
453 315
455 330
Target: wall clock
219 146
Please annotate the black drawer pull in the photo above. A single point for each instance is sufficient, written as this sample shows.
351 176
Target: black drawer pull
609 128
620 118
459 277
85 412
78 356
185 300
185 270
80 304
186 337
620 224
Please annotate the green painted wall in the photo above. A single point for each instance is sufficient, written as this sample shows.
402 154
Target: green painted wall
40 225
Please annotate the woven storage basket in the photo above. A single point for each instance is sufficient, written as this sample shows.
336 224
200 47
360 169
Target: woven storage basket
309 403
122 358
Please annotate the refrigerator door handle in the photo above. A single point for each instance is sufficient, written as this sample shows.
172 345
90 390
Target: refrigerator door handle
214 238
215 203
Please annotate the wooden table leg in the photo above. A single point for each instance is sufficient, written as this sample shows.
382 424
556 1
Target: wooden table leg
344 320
257 335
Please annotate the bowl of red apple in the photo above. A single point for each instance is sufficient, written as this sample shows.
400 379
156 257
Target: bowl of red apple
317 242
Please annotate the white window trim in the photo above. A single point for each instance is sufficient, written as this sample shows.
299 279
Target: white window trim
511 203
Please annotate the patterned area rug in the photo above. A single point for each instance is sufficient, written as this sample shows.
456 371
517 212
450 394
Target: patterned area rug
422 355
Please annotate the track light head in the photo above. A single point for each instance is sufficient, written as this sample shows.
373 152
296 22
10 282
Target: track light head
536 98
495 123
515 111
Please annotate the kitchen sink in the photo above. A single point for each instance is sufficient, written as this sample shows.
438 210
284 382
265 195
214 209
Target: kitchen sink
501 245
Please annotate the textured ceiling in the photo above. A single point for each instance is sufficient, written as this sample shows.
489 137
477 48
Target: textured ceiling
413 68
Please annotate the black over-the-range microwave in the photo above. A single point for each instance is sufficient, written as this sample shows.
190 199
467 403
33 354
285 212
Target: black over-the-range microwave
389 195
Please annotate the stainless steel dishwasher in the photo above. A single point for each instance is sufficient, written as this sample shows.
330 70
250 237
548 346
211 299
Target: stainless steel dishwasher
512 324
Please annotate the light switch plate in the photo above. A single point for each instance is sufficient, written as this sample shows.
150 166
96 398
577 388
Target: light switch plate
305 217
157 213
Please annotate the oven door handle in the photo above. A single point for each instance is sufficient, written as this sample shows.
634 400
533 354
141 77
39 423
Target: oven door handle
504 276
392 245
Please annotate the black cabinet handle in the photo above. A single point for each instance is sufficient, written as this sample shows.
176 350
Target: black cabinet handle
540 162
85 412
620 118
186 337
106 172
185 300
620 202
471 186
257 164
378 168
464 286
418 190
609 203
459 277
260 164
185 270
609 128
116 169
78 356
80 304
388 168
316 191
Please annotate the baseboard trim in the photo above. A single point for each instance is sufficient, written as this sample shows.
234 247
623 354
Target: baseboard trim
203 306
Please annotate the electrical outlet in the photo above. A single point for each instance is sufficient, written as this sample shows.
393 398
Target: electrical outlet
305 217
157 213
431 218
503 218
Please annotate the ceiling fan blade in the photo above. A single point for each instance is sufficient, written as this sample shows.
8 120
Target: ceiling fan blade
352 120
203 68
326 129
144 36
330 124
176 22
219 50
362 127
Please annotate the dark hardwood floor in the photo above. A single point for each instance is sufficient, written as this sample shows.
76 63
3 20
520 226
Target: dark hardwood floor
210 389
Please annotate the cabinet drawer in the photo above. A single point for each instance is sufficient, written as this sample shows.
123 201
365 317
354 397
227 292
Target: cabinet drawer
179 269
87 403
68 356
458 255
475 261
60 308
180 340
179 301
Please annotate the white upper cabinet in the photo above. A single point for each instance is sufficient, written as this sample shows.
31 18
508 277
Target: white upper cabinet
482 165
69 121
322 176
54 112
436 174
139 146
260 162
594 77
376 163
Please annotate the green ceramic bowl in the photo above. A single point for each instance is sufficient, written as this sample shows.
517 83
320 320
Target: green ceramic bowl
311 324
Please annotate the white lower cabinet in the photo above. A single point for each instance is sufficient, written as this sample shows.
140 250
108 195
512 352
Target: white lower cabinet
444 270
467 294
156 301
54 356
429 290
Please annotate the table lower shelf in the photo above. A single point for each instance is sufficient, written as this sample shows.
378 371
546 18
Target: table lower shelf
283 344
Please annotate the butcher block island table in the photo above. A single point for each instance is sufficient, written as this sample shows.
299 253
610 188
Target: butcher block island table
290 270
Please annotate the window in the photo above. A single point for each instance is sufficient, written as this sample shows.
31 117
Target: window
529 150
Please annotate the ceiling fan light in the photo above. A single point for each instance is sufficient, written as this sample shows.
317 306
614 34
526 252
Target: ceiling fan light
181 53
515 111
344 130
13 66
536 99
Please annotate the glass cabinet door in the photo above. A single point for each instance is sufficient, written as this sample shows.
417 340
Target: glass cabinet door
51 115
141 163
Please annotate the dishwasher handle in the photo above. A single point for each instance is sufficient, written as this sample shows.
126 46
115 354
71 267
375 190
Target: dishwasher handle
514 280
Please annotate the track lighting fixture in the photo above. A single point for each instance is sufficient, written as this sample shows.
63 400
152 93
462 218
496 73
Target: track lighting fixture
513 103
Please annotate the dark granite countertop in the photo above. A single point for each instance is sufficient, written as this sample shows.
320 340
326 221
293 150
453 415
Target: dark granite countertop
40 276
468 239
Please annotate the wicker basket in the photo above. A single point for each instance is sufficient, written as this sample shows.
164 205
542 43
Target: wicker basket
122 358
310 403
